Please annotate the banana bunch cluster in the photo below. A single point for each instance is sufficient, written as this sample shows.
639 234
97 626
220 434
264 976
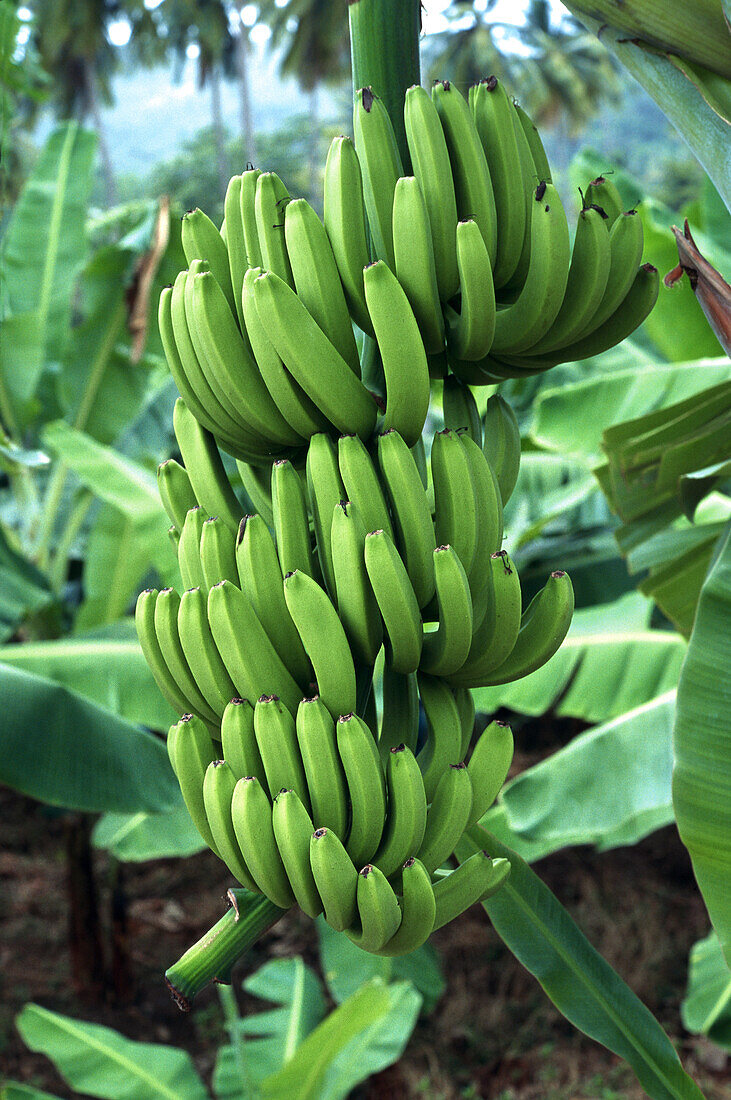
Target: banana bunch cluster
478 236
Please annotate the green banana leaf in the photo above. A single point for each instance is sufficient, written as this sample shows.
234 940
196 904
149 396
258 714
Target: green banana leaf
24 590
43 249
571 419
98 1061
543 937
706 1008
702 777
13 1090
135 838
609 787
66 751
110 671
610 663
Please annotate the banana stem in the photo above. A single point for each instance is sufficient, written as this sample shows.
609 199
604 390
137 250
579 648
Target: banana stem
211 959
384 49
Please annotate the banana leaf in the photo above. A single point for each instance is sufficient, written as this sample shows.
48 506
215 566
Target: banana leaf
543 937
24 590
135 838
706 1008
702 777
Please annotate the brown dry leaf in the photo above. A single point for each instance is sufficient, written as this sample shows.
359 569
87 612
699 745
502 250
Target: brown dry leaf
138 294
710 288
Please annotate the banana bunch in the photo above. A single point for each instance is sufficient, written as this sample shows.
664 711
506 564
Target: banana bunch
478 236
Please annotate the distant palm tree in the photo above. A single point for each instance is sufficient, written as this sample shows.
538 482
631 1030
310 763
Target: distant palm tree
560 69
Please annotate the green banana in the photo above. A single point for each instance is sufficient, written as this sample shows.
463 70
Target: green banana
375 144
270 202
194 751
445 650
218 556
251 813
543 627
414 261
276 737
378 910
448 817
537 151
396 600
470 332
324 771
251 661
238 741
164 678
257 483
489 511
325 642
466 707
366 786
414 528
335 877
189 549
291 521
218 788
362 486
472 184
488 767
316 278
400 712
248 217
176 492
494 639
602 192
455 520
261 581
492 110
202 241
311 359
406 820
431 166
345 221
235 244
167 605
357 606
418 910
626 240
501 444
325 489
292 831
444 740
460 409
402 352
474 880
203 464
200 651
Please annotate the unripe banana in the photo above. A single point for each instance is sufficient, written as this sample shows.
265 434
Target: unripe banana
489 511
202 241
626 239
251 813
366 786
167 606
414 528
291 521
602 192
460 409
402 351
456 520
501 444
257 483
176 492
208 479
543 627
270 203
275 734
357 606
345 221
403 831
466 707
200 651
448 817
418 910
145 624
538 153
238 740
396 600
325 490
414 261
235 244
479 877
323 768
444 740
217 550
292 831
194 751
400 713
493 641
248 217
218 789
445 650
362 486
335 877
189 549
430 162
488 767
378 910
261 581
470 332
325 642
380 162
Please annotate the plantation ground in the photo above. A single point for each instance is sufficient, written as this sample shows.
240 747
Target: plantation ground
493 1035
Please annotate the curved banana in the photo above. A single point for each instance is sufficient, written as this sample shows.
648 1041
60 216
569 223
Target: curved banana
489 510
270 202
472 184
167 606
276 737
189 549
494 639
238 741
202 241
325 490
261 581
251 813
176 492
311 359
200 650
479 877
626 240
488 767
455 516
492 110
218 555
431 166
366 787
470 332
325 642
335 877
406 819
414 261
292 831
445 649
400 712
251 661
194 751
291 521
375 144
444 740
218 789
460 409
378 910
418 910
396 600
205 469
602 192
164 678
324 771
501 444
345 221
248 217
357 606
362 486
448 817
537 151
543 627
414 528
402 351
235 244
